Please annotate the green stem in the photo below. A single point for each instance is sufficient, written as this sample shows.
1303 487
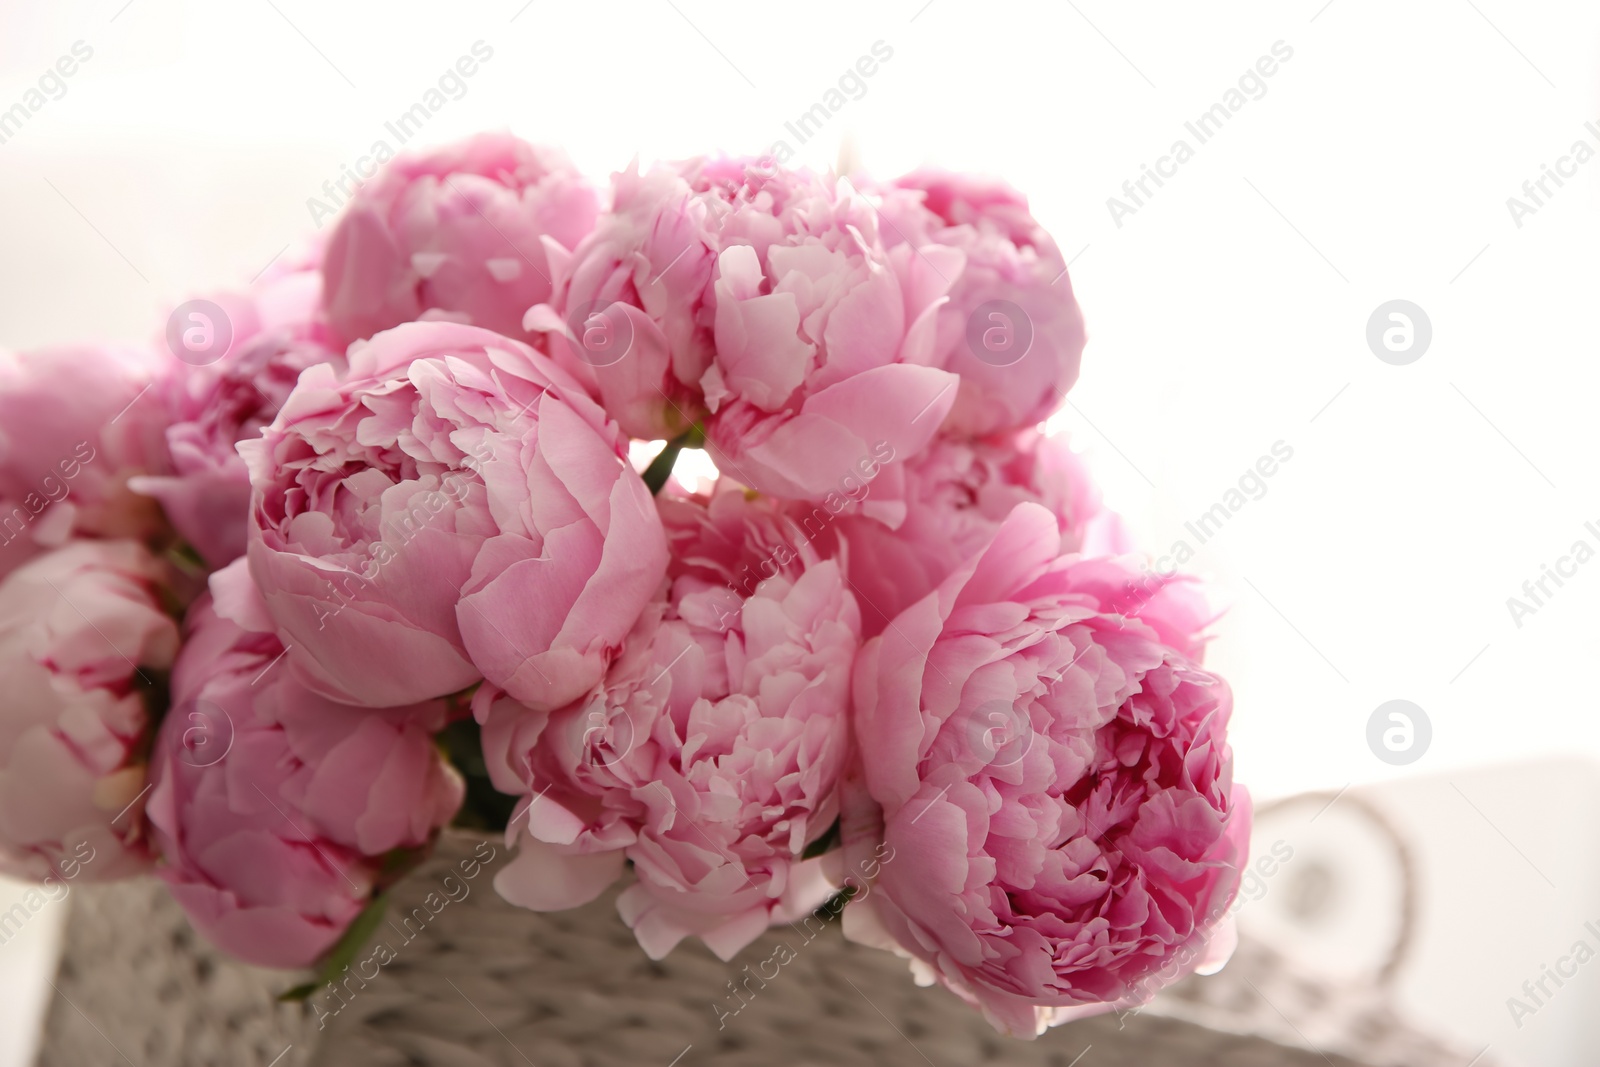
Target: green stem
344 952
660 469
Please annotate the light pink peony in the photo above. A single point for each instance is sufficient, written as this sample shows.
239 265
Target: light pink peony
825 340
274 809
212 405
630 315
1012 330
454 508
957 494
711 754
75 424
84 649
1053 780
765 299
465 232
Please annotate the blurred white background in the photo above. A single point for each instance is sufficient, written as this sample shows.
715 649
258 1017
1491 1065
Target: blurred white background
1227 314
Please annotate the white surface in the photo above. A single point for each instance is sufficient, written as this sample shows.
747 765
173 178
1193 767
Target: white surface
1419 497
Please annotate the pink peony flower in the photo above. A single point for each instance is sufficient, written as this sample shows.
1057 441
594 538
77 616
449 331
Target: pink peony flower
825 340
710 755
765 298
466 232
75 424
213 403
84 647
1053 780
454 508
957 494
1012 329
629 315
274 808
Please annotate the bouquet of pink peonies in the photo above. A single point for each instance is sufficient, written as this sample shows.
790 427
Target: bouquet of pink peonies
392 541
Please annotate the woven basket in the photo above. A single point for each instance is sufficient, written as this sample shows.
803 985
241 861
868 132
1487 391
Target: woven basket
475 982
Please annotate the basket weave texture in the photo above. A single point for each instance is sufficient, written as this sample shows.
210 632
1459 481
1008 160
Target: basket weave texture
469 980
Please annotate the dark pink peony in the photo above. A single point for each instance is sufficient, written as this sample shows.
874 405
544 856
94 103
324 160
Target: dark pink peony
1054 784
